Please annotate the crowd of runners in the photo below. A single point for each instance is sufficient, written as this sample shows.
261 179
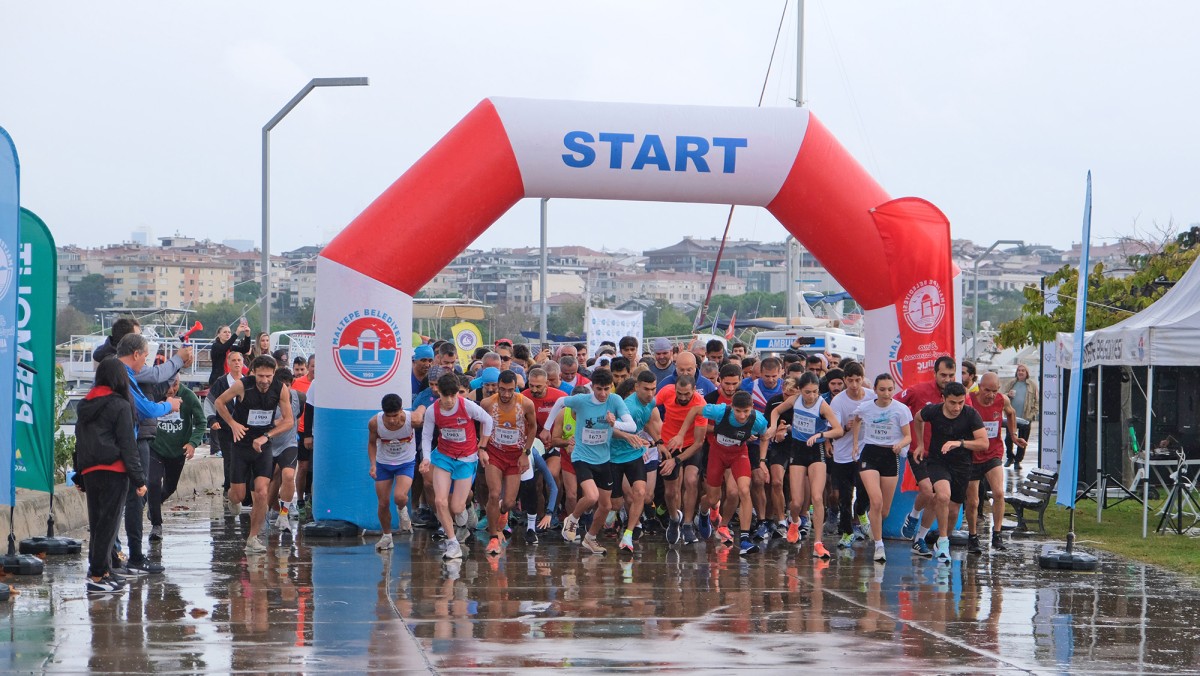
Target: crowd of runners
687 443
690 442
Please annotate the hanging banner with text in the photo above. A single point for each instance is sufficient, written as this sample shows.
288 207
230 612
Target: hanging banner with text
10 205
612 325
33 430
1049 428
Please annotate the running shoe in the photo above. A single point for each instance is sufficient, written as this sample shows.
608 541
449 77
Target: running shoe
493 546
453 550
591 546
439 534
998 542
705 528
105 585
144 567
880 555
781 530
406 524
254 546
763 532
156 533
803 526
793 532
861 532
531 537
626 546
819 551
585 521
724 535
747 546
909 530
973 545
714 515
689 534
570 528
921 548
673 528
846 542
638 531
282 522
481 524
943 550
385 542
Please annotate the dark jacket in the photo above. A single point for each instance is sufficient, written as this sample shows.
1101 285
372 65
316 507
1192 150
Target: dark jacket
218 351
104 434
107 349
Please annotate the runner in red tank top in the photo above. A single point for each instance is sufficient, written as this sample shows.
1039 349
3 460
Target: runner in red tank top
997 412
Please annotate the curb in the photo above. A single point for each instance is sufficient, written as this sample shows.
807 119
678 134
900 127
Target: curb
70 506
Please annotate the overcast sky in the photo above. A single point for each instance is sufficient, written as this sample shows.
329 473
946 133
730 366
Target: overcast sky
148 114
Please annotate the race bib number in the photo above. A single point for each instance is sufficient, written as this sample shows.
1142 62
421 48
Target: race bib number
506 436
454 434
993 428
395 446
595 436
802 424
727 441
881 430
259 417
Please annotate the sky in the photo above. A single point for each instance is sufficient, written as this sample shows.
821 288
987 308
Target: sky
149 114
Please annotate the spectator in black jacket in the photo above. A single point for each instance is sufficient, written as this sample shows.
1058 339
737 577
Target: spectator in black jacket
223 344
120 328
106 460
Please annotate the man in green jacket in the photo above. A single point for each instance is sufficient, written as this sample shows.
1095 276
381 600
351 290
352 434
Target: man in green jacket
176 441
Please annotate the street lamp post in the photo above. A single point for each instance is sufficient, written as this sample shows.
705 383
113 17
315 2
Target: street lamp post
265 278
975 335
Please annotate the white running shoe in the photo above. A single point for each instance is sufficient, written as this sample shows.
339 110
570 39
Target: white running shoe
385 542
880 555
282 522
405 522
453 550
255 546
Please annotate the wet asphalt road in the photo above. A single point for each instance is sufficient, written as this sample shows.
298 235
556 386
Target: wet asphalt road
326 606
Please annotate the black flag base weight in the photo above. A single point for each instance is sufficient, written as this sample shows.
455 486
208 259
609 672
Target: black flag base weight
331 528
1053 558
52 546
20 564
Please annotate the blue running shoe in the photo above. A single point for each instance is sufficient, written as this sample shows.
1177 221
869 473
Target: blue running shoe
763 532
705 528
921 549
747 546
909 530
944 550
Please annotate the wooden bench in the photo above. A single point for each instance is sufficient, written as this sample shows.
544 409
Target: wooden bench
1035 493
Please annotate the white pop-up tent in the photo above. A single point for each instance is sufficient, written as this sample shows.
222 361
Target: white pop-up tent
1165 334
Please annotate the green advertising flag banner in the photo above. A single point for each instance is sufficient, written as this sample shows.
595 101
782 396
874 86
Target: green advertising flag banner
33 405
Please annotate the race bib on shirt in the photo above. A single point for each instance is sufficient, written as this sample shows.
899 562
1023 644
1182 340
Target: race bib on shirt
594 437
506 436
804 424
727 441
993 428
454 434
258 417
395 447
882 430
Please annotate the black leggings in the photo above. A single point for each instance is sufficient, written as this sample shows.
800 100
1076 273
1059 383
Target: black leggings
1010 447
164 479
844 475
105 492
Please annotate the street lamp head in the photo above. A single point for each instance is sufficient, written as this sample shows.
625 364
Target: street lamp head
339 82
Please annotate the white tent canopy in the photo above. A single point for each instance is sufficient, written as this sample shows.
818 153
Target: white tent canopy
1165 334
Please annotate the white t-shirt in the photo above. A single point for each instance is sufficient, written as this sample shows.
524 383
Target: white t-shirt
882 426
844 407
395 447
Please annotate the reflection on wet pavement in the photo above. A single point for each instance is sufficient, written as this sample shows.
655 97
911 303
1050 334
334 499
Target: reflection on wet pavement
309 606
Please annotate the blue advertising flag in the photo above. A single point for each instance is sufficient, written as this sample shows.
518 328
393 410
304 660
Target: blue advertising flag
10 214
1068 466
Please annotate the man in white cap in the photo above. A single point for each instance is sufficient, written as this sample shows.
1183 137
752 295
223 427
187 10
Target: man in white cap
661 365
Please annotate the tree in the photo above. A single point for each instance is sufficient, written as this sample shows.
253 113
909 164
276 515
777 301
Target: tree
212 315
90 293
246 292
71 322
568 319
1110 299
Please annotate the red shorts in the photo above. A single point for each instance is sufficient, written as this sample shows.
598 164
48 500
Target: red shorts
505 461
566 462
720 460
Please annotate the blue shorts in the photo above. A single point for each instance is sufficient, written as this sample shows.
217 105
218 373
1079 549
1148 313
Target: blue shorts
388 472
458 469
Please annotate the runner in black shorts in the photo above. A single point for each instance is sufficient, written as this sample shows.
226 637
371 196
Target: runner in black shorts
956 430
253 424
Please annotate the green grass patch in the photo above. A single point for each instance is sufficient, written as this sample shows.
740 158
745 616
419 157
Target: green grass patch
1121 533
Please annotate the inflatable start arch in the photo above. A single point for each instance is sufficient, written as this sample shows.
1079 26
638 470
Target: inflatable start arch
892 256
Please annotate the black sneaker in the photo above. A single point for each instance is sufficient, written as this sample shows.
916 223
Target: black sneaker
105 585
689 534
973 545
998 542
145 567
531 537
673 529
156 533
121 572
